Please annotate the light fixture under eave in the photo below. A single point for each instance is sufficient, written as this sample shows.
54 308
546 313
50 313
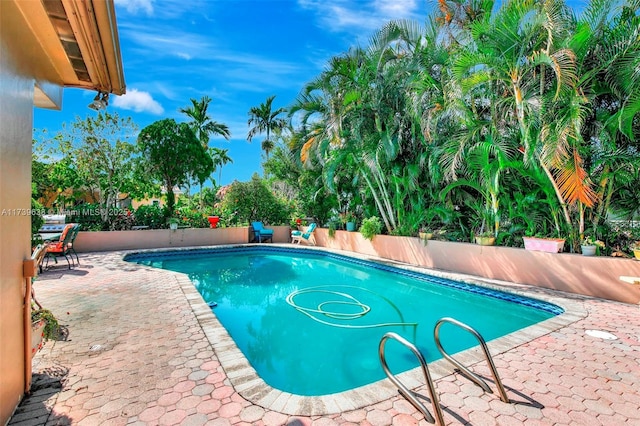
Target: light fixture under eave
101 101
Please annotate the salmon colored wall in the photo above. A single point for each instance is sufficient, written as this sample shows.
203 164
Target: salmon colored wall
160 238
16 123
573 273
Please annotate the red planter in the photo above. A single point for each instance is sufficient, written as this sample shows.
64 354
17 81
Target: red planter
213 221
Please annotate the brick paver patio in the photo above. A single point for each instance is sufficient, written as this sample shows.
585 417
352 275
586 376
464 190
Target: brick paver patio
136 353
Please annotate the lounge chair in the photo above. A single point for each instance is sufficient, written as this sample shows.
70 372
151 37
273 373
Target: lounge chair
297 236
260 233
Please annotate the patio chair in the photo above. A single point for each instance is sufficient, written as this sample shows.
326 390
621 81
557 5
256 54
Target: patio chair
39 254
297 236
74 233
260 233
61 247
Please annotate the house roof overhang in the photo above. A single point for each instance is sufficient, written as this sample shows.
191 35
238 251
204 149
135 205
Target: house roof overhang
78 46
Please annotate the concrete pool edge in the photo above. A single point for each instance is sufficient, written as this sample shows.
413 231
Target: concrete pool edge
250 386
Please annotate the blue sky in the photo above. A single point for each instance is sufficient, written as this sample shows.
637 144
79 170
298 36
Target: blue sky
238 52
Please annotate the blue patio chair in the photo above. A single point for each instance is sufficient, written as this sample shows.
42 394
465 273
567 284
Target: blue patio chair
260 233
297 236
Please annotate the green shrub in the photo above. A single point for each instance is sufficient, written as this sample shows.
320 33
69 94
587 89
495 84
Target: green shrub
192 218
332 229
151 216
244 202
371 227
88 216
36 222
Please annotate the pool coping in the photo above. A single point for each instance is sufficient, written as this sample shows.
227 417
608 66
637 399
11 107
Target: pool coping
246 381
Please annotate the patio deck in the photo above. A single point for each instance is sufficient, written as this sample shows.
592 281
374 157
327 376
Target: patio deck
137 352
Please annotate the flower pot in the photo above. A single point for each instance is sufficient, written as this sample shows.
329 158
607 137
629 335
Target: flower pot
213 221
425 235
351 226
173 226
589 250
37 335
485 241
550 245
636 253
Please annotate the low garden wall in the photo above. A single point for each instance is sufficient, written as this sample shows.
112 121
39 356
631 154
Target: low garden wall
161 238
596 276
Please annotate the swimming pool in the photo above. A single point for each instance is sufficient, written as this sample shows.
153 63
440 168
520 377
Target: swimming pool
310 321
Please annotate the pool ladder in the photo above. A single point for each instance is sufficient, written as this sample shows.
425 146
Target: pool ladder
411 397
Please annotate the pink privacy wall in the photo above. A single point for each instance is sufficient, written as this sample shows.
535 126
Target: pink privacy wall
574 273
160 238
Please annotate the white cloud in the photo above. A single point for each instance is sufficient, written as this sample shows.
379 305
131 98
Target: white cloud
138 102
164 41
356 16
133 6
396 8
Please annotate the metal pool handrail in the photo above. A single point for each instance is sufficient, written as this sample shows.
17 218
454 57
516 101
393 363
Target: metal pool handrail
464 370
402 388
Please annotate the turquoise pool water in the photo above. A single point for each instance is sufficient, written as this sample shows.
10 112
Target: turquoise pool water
310 322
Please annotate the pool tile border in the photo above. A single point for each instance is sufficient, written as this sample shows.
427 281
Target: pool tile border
250 386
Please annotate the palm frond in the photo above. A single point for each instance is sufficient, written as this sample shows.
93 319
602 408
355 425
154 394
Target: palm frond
574 182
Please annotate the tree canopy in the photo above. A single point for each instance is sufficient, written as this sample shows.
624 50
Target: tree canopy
170 153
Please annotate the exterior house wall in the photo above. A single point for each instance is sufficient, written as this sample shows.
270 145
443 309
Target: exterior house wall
587 275
34 68
16 123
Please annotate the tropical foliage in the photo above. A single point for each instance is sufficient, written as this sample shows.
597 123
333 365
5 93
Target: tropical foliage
507 118
95 162
513 117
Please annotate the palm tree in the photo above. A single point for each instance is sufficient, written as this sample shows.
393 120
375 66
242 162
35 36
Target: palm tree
510 54
220 158
203 126
265 120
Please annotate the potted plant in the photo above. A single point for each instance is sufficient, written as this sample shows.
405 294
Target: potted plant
349 220
332 229
44 326
590 246
636 249
173 223
371 227
425 233
485 238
